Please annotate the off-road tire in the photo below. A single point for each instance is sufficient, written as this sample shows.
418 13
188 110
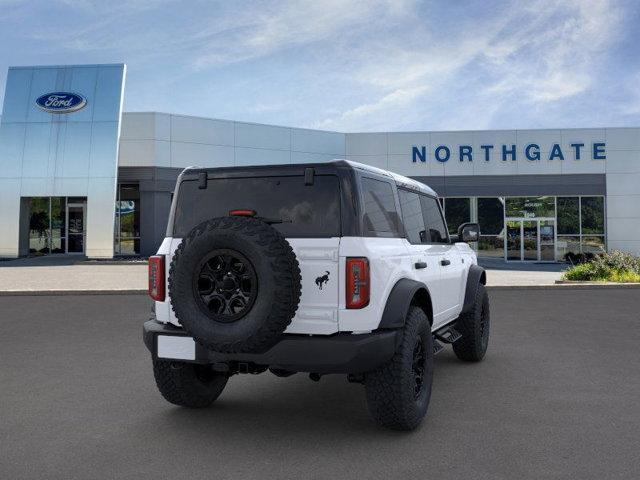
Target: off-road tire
278 284
188 384
474 327
390 389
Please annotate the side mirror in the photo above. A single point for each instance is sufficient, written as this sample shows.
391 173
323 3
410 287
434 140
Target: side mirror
468 232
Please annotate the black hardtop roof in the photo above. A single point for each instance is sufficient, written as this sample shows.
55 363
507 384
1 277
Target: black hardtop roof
320 168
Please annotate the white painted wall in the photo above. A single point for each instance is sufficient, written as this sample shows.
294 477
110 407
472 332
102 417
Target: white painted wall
164 140
623 189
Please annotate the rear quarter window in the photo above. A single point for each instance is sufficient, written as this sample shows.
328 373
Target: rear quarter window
305 210
380 217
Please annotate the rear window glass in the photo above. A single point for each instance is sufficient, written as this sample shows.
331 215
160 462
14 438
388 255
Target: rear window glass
305 210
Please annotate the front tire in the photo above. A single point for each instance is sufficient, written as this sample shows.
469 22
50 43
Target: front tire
474 327
399 391
188 384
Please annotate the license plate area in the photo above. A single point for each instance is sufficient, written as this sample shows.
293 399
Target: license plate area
175 347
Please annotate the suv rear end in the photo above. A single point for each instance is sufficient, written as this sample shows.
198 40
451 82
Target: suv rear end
311 205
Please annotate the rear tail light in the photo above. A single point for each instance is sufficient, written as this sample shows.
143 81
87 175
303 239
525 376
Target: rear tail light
156 278
358 282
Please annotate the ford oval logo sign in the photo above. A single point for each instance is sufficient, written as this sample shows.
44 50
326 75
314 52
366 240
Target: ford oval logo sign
61 102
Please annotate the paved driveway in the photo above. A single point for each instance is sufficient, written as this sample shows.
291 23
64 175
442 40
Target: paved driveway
557 397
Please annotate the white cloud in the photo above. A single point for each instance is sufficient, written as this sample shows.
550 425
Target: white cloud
352 64
534 55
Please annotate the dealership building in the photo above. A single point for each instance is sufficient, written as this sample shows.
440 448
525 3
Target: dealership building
80 176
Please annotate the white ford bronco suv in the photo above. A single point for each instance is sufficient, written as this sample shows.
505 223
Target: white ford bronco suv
321 268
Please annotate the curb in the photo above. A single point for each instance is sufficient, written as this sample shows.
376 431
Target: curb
567 286
22 293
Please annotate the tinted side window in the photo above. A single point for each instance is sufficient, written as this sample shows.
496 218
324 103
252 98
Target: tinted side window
436 231
380 215
412 216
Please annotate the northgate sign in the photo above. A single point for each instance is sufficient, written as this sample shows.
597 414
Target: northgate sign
531 152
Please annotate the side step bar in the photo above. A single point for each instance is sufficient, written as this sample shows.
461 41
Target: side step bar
447 334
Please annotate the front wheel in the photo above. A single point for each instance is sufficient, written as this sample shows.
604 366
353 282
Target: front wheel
399 391
188 384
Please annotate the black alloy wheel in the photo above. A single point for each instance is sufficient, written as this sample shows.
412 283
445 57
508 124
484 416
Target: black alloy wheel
225 285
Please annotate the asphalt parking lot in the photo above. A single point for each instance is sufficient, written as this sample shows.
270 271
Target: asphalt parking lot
558 396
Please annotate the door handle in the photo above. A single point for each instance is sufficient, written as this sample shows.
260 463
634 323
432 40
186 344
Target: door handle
420 265
444 262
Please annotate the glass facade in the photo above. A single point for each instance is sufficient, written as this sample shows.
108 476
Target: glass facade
127 227
543 228
56 225
457 211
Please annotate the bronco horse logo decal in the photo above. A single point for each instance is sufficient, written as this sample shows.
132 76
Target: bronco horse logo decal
322 279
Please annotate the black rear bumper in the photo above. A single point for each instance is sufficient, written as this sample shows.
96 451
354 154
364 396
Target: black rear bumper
338 353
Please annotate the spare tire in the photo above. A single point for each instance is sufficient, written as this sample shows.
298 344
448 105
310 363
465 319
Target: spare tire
234 284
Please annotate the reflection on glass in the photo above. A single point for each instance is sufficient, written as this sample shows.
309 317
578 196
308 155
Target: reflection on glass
127 220
593 244
39 225
568 244
568 216
76 243
58 245
75 237
514 240
530 240
58 217
129 246
530 207
592 215
547 242
491 215
457 211
491 246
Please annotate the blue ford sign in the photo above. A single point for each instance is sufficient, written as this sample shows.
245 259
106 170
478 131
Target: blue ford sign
61 102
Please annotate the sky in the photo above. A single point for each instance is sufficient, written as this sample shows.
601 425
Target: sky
349 65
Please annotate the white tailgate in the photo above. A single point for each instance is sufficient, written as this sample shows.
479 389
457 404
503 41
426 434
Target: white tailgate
318 309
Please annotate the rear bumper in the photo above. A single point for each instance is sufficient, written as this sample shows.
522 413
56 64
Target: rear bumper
339 353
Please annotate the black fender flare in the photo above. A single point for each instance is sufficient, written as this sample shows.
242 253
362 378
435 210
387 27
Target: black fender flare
399 301
476 276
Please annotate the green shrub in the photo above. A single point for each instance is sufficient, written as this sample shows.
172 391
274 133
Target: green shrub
615 266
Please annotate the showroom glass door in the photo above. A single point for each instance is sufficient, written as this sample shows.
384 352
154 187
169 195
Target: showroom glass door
76 220
513 240
530 240
547 229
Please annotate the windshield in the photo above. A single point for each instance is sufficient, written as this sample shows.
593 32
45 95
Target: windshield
304 210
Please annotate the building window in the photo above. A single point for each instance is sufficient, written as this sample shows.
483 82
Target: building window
530 207
457 211
568 216
592 215
127 226
491 221
40 225
57 224
491 215
580 225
